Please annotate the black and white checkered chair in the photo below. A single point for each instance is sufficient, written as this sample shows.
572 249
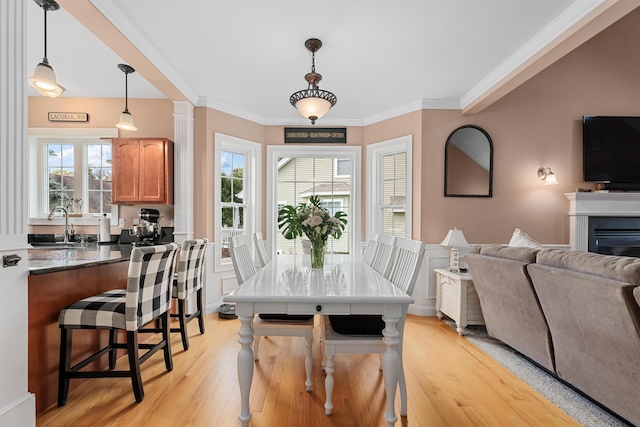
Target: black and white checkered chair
189 280
146 298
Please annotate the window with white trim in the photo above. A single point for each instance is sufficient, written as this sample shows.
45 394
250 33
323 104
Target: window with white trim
72 168
389 186
236 194
297 173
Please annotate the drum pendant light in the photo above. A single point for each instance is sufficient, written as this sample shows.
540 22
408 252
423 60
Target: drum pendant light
126 120
313 102
44 78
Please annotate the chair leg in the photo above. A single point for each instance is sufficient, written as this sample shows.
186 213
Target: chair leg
65 365
256 348
113 340
182 308
166 337
308 363
328 384
200 310
134 365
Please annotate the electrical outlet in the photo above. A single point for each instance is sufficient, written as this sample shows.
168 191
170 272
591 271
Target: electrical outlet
121 222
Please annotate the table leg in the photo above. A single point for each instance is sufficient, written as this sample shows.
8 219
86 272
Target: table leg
245 366
390 363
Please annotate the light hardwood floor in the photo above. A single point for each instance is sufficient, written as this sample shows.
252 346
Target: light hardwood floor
450 382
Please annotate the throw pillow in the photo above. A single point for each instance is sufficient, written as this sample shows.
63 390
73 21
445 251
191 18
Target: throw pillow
520 239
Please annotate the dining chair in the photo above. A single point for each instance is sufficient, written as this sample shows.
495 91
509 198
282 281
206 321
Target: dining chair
384 255
404 273
370 250
146 298
261 249
265 325
188 281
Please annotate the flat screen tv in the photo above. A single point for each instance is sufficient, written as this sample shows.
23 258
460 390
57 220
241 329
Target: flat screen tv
611 151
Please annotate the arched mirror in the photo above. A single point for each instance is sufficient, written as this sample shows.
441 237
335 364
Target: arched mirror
468 163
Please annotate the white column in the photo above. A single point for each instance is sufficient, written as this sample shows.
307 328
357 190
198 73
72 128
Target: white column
17 405
183 170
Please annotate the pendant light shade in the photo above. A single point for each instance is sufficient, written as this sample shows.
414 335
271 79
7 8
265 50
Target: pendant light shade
313 102
126 119
44 78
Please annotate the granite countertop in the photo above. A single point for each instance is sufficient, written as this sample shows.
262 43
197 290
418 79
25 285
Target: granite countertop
51 258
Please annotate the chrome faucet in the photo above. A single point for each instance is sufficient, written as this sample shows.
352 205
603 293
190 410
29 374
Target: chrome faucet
66 221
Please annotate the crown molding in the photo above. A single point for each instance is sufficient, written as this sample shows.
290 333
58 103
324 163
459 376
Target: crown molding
122 23
553 33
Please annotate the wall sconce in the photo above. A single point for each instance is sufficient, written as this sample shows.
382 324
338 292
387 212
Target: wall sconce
455 239
44 78
546 175
126 120
313 102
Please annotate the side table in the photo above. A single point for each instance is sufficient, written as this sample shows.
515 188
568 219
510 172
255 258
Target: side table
457 298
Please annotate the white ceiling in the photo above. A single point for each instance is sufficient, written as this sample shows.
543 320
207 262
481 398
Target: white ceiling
380 58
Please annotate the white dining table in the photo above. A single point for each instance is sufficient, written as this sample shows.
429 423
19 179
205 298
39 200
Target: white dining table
346 285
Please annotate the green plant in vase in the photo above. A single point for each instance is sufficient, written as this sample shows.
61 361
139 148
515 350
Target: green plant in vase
314 221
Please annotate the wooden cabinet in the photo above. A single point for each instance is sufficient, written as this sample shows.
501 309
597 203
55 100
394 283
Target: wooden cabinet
457 298
142 171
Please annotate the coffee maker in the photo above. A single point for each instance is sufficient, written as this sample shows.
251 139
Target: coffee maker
147 230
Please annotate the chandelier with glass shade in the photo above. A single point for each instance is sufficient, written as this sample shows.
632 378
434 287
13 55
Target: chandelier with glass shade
313 102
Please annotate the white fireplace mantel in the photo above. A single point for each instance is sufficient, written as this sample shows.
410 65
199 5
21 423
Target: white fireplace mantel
584 205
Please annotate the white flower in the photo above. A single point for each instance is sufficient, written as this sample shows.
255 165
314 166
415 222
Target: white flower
314 220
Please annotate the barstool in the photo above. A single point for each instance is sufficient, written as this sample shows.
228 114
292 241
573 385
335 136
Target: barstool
146 298
189 280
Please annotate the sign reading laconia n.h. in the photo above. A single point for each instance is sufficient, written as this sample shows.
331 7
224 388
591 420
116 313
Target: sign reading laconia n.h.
68 117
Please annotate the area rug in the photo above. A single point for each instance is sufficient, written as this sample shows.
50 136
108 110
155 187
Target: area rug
571 402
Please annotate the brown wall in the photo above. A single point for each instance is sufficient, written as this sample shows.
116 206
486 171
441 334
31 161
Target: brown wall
538 124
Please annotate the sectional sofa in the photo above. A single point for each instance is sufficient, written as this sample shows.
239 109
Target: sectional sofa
574 313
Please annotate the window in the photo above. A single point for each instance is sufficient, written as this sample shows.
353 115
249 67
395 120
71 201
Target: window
72 169
297 173
343 168
389 184
231 197
86 192
98 174
237 197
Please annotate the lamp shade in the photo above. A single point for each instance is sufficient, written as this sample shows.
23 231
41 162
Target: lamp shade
551 179
44 81
313 107
455 238
126 122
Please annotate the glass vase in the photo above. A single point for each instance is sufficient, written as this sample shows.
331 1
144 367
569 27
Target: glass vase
317 256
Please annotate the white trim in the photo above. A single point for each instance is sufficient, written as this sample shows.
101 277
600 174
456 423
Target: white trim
253 152
557 31
375 152
280 151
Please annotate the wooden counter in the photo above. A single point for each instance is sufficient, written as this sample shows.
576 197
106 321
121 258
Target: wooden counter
53 289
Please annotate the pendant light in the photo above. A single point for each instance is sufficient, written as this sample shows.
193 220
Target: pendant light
44 79
126 120
313 102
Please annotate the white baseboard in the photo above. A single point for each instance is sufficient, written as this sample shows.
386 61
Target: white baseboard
20 412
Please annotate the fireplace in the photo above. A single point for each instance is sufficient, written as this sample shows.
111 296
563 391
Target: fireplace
614 235
607 223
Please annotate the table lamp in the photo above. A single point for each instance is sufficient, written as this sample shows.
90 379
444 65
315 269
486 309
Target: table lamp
454 240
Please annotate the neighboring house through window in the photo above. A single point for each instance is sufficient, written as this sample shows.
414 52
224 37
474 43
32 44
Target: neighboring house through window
297 173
